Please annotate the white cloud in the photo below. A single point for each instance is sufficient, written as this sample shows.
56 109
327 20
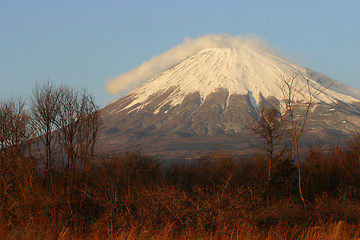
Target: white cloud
153 67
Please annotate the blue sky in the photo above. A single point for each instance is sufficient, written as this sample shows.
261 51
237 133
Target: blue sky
86 43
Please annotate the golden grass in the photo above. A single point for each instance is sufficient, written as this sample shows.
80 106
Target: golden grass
134 197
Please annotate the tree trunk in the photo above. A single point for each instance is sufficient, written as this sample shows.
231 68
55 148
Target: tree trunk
299 173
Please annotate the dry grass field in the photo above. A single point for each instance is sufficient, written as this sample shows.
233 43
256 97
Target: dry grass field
133 196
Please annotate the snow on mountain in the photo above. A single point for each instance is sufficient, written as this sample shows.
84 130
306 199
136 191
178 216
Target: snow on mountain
208 99
241 70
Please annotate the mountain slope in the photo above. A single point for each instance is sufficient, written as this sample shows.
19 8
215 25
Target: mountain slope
208 99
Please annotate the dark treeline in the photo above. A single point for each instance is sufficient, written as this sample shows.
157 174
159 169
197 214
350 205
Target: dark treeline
54 185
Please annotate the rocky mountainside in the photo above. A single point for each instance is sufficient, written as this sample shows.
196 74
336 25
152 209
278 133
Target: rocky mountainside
208 99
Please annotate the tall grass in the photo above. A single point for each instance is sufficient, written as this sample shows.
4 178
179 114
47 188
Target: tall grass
133 196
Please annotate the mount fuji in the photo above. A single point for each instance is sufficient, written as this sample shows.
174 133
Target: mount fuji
207 100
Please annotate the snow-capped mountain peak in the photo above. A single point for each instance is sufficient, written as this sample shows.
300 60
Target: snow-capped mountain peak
209 97
243 70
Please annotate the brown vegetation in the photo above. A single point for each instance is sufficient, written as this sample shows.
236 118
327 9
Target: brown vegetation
135 196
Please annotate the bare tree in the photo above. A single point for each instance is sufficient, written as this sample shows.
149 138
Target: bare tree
269 126
69 117
45 111
68 125
16 163
15 134
78 125
89 130
299 93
